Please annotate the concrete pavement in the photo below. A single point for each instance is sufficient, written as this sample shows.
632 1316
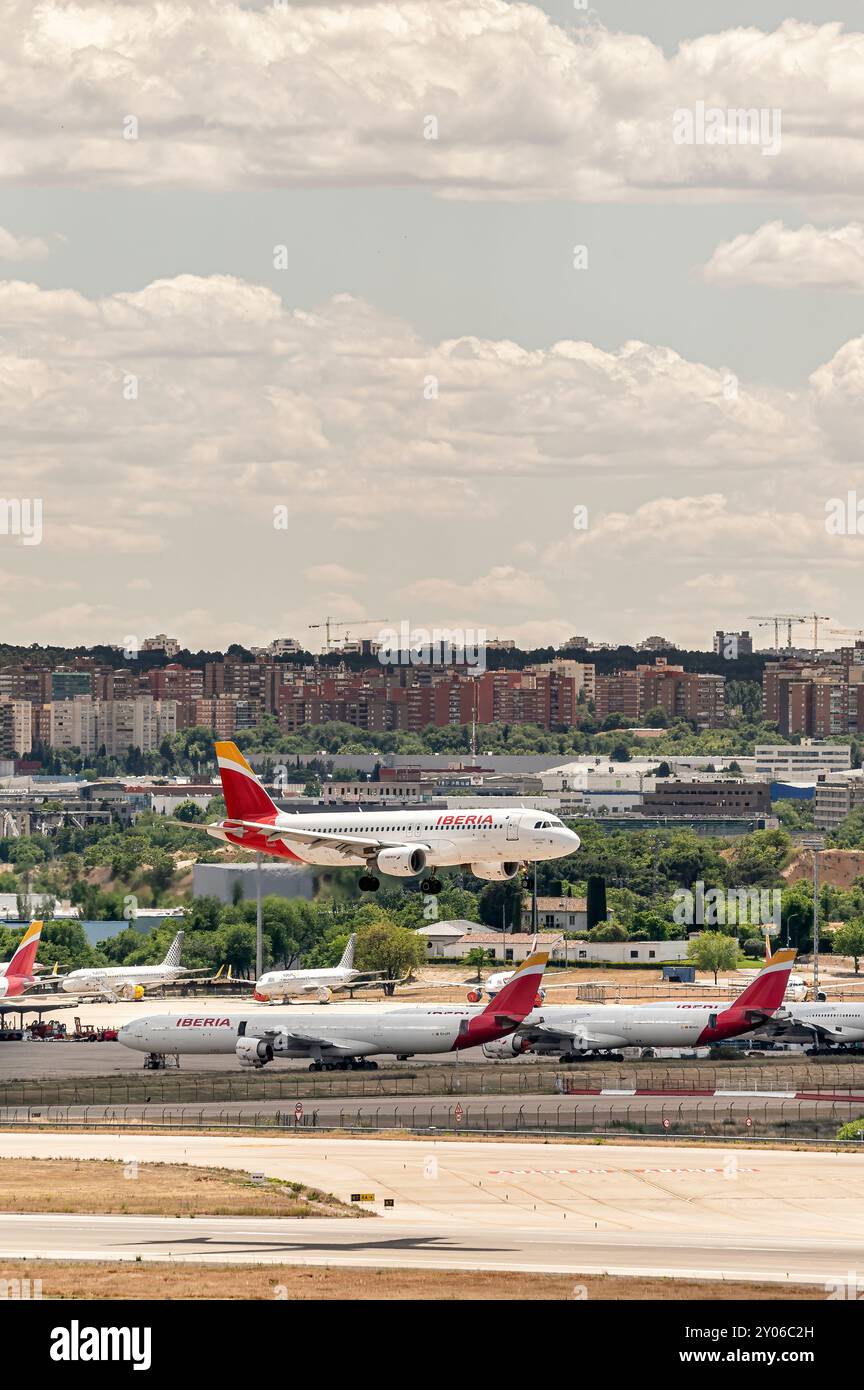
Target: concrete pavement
665 1209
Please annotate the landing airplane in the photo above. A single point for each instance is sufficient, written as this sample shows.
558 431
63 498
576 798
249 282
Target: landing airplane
402 843
572 1031
128 981
338 1040
16 976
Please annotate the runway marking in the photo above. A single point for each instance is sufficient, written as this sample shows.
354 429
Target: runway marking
591 1172
692 1094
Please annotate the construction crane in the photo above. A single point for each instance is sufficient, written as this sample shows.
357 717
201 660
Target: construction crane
816 619
789 619
337 622
856 632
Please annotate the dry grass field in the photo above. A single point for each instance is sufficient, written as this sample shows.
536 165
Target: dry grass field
154 1189
61 1279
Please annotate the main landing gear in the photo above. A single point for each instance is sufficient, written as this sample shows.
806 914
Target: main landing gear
431 885
368 883
345 1064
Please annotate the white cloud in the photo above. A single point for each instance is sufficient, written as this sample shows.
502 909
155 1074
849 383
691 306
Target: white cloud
318 94
332 574
22 248
323 413
502 587
782 257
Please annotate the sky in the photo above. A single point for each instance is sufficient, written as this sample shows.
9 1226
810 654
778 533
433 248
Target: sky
457 313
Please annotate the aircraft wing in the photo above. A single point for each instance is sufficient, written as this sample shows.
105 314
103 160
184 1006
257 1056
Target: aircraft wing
586 1036
344 1047
786 1025
355 846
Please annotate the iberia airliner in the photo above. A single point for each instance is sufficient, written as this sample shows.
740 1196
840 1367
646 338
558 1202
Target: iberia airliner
17 977
407 842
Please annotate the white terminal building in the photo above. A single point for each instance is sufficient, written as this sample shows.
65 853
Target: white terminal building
781 761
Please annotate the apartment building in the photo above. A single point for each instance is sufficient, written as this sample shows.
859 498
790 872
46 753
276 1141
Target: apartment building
116 725
836 796
681 694
16 727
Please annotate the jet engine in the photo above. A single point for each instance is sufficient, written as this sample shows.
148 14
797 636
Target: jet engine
404 862
494 872
511 1046
253 1052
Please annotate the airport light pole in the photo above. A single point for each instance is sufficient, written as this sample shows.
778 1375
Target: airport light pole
259 936
815 923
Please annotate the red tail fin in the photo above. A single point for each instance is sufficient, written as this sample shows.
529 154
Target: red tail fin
245 798
767 990
25 954
517 998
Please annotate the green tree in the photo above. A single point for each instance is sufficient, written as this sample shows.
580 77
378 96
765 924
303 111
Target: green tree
500 904
656 718
608 931
596 900
478 957
393 950
714 951
848 940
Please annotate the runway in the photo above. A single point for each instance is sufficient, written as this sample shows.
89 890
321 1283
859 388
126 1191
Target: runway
409 1245
516 1205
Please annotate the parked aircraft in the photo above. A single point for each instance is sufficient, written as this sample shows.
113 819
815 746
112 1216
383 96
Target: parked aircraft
283 984
338 1039
128 981
16 976
403 843
572 1031
819 1023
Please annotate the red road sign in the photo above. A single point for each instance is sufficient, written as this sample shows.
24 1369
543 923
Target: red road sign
748 1122
458 1113
298 1110
666 1122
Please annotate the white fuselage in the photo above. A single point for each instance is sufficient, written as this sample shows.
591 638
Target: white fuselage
840 1022
356 1032
495 836
282 984
117 978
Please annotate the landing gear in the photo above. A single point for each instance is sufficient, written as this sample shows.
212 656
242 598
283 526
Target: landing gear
157 1061
345 1064
431 885
368 883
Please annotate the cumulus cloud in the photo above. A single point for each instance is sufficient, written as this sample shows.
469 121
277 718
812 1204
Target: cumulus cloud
22 248
187 433
782 257
502 587
472 98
